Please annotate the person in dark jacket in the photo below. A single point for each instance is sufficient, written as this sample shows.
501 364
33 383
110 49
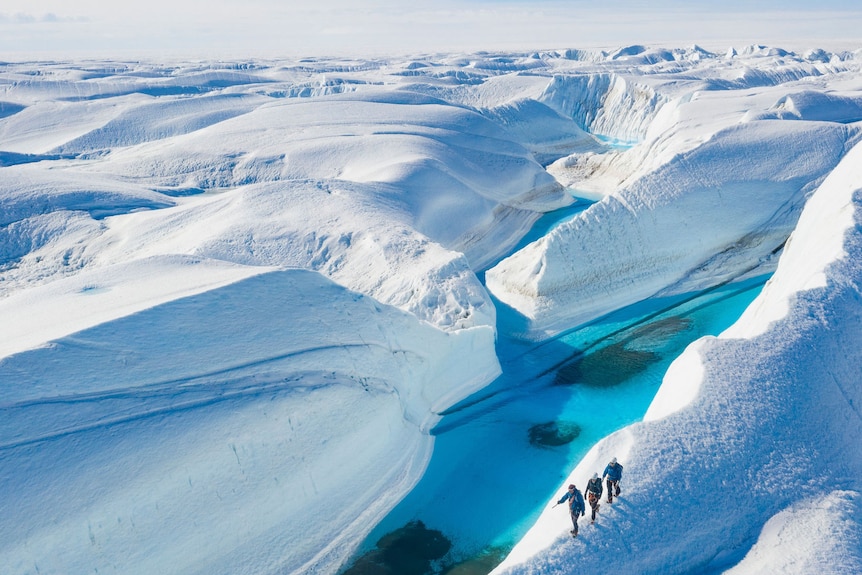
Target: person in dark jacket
594 493
614 472
576 506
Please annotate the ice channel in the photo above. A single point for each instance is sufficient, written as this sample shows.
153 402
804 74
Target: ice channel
500 455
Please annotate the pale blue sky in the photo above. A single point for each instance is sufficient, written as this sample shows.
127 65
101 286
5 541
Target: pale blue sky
241 28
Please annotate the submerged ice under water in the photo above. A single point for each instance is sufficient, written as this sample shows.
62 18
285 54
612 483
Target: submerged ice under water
500 454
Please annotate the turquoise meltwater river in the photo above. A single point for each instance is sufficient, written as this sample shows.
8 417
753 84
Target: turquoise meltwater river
500 455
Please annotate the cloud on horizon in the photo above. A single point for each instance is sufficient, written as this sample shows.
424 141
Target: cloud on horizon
49 17
230 28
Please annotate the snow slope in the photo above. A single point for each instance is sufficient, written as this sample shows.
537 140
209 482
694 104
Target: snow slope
188 437
236 296
746 461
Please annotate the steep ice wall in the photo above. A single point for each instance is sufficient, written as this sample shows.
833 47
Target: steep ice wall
542 130
606 104
744 459
717 208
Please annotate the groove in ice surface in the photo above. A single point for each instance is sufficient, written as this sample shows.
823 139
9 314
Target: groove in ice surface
231 292
519 435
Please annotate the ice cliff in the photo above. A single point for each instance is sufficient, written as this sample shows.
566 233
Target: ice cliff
744 462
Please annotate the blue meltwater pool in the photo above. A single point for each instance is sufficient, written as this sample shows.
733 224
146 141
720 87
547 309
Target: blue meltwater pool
500 455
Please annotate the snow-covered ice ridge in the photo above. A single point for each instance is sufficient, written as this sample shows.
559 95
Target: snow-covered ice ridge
728 152
748 460
236 295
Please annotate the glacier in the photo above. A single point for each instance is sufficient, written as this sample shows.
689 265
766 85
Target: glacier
237 297
746 460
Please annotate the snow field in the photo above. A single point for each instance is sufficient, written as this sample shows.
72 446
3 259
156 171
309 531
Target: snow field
236 301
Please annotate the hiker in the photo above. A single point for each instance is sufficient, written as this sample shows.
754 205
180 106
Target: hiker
594 494
614 472
576 506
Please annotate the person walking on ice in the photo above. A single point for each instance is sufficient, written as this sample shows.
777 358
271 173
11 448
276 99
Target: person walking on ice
614 472
594 494
576 506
